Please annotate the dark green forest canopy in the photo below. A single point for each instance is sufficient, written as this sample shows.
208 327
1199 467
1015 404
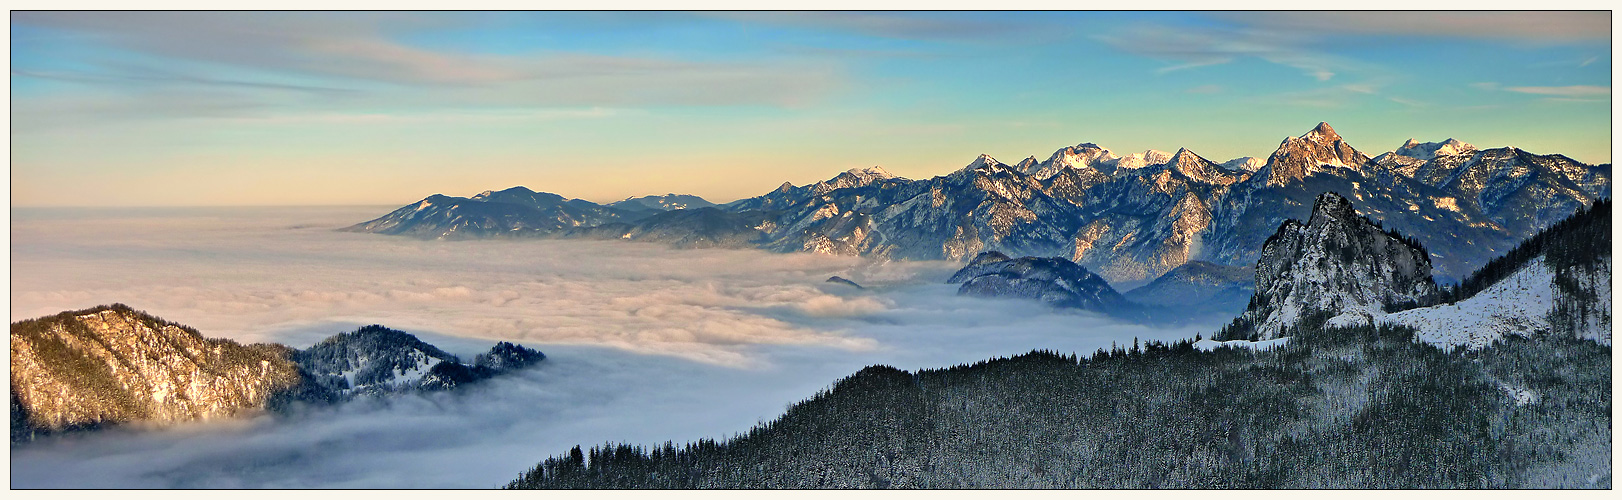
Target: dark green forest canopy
1336 408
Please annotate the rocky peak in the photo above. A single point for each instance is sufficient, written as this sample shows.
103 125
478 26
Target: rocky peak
1081 156
1322 133
983 161
1184 156
1195 167
1028 165
1331 208
1336 265
856 177
520 195
1318 150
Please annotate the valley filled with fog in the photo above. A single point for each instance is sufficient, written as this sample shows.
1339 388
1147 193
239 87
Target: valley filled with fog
644 343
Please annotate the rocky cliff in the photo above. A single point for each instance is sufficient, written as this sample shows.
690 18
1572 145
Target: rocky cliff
1337 265
112 364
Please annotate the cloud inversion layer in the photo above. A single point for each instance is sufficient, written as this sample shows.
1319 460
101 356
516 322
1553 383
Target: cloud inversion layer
644 344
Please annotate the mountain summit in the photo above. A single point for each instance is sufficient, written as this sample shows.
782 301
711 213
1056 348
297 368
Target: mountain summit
1317 150
1336 264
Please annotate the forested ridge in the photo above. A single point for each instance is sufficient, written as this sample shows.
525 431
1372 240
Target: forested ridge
1582 241
1356 407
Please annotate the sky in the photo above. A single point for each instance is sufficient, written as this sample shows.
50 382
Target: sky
358 108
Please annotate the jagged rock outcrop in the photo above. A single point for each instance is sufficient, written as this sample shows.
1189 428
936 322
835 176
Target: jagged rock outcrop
1052 280
1337 265
113 365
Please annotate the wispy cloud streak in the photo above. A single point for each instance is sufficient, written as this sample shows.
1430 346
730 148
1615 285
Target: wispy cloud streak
1543 27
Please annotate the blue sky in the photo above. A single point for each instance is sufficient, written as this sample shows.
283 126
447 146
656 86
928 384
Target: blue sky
184 108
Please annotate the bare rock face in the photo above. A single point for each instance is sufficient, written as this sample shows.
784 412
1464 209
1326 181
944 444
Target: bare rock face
1336 264
1298 157
112 364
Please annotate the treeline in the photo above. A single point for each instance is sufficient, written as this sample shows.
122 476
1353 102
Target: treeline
1336 408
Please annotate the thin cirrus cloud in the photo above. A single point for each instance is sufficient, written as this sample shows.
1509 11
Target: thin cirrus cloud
912 26
1569 91
355 60
1188 48
1547 27
1295 39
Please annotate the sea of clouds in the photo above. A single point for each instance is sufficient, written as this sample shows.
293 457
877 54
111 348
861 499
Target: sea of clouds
645 343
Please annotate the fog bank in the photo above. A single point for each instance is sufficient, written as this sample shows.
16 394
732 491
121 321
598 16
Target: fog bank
644 343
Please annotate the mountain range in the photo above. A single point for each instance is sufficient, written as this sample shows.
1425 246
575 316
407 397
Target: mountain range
1129 218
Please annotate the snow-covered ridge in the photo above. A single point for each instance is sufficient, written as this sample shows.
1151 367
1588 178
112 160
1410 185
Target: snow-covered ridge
1429 150
1245 164
1518 305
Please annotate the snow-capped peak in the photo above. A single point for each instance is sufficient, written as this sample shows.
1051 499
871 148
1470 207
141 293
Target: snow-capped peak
873 172
1084 155
856 177
1428 150
983 161
1244 164
1322 132
1183 155
1136 161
